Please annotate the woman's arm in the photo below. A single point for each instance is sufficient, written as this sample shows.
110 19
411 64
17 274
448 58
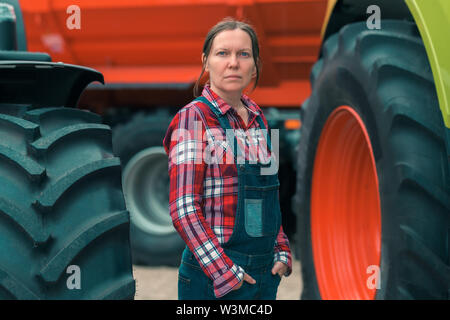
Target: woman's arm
282 251
185 146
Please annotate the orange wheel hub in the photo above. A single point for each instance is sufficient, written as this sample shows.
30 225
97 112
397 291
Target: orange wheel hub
345 209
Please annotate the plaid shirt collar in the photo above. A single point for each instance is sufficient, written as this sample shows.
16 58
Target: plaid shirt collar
222 106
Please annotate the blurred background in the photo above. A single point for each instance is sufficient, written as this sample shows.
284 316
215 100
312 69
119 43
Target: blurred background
149 53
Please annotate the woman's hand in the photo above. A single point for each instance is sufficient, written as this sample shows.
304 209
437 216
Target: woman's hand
280 268
247 278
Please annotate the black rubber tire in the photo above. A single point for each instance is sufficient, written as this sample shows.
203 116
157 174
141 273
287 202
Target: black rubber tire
142 132
61 204
384 75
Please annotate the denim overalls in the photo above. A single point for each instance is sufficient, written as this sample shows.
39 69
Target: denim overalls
251 245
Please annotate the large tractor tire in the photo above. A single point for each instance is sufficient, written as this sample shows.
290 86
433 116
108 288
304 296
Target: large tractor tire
373 170
64 227
138 143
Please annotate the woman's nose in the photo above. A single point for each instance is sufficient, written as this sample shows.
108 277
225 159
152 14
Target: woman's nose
233 62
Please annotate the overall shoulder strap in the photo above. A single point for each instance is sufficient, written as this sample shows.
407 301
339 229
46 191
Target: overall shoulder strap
265 132
206 101
225 124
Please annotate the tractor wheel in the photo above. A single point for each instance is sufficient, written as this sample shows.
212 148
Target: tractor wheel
138 143
373 172
64 227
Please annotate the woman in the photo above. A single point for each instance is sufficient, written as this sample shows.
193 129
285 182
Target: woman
226 211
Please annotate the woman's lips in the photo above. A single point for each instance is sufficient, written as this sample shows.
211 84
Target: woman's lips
233 77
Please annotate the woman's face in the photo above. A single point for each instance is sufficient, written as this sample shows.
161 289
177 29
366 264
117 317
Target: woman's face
230 62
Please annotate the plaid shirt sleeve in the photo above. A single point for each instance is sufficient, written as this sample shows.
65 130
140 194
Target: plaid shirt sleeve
282 251
184 145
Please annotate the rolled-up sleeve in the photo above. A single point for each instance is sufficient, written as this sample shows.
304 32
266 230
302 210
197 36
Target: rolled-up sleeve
282 252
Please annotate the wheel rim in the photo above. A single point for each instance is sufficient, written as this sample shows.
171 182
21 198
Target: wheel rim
146 189
345 209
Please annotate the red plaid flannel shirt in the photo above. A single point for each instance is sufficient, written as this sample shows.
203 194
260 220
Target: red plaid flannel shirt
204 184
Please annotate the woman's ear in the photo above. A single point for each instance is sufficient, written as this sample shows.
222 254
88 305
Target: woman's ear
254 72
255 68
204 62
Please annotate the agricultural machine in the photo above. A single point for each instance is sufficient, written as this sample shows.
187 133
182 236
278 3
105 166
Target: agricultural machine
358 90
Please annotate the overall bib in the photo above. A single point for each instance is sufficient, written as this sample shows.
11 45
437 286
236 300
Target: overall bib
251 245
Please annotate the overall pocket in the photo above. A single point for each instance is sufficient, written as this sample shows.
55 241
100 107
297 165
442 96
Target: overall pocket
261 210
254 217
192 283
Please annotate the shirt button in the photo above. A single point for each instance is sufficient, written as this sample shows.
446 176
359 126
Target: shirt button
242 167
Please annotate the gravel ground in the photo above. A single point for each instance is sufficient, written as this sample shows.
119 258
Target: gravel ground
160 283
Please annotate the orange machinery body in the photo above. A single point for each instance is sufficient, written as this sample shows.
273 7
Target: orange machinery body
144 46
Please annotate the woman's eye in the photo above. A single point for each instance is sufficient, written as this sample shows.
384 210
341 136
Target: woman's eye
221 53
245 54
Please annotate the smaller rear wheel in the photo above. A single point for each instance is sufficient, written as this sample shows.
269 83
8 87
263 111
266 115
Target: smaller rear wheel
146 187
145 180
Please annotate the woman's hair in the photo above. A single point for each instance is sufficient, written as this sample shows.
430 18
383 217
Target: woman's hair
229 24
